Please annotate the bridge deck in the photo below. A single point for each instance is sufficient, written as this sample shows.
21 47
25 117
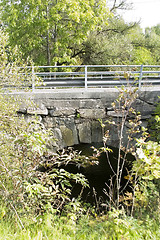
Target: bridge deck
79 93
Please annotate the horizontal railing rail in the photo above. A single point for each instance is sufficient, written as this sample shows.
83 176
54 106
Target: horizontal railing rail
92 76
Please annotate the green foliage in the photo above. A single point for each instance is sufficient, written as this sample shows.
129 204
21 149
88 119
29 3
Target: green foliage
14 73
142 55
152 42
77 32
51 32
144 173
25 189
110 45
148 160
127 115
114 225
154 124
121 43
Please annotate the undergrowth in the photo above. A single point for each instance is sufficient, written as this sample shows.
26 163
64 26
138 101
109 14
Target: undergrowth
113 226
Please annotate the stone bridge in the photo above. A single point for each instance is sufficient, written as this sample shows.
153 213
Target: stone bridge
73 114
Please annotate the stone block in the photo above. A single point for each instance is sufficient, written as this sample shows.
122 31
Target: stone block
117 114
84 132
96 132
69 136
144 108
57 141
49 122
59 112
90 103
64 103
37 110
92 113
22 110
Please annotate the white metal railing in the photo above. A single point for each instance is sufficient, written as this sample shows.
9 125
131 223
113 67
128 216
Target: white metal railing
98 75
91 76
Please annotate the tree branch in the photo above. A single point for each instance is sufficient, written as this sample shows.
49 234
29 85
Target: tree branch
122 5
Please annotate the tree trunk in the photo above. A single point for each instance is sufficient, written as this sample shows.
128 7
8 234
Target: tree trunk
48 45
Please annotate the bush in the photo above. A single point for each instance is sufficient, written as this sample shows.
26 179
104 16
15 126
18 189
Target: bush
26 190
154 124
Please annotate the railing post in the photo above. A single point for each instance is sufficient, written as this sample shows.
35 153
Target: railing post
33 79
140 77
85 77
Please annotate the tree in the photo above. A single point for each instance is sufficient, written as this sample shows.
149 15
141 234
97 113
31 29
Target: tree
152 42
121 43
48 31
110 45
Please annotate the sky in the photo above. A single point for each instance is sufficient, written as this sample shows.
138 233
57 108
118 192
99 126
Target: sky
147 11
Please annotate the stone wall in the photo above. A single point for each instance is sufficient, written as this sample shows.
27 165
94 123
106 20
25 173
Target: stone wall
73 114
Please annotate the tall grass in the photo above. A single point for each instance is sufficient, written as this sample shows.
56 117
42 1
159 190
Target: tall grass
112 226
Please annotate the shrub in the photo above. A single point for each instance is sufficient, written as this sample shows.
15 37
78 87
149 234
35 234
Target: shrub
25 190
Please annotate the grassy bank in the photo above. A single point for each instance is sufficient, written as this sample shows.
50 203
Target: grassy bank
114 225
